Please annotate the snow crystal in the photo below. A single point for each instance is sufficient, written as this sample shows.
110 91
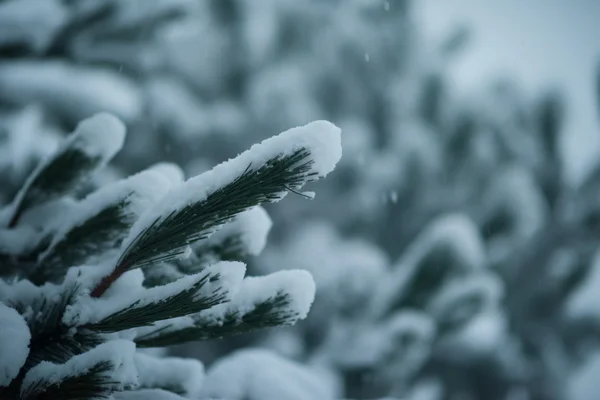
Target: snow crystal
90 310
118 352
321 138
170 372
260 375
171 171
14 343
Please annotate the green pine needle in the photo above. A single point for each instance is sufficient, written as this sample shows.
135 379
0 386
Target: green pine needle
268 313
169 235
181 304
59 176
90 385
95 236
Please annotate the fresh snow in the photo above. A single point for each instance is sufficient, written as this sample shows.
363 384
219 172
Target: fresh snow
14 343
90 310
119 353
251 226
255 374
148 394
298 284
170 372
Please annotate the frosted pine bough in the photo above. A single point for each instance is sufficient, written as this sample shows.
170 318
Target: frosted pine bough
135 264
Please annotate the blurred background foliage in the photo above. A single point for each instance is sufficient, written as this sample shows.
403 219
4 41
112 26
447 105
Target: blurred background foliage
453 258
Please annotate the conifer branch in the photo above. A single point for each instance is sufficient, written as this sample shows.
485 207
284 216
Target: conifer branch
204 292
273 311
168 236
90 385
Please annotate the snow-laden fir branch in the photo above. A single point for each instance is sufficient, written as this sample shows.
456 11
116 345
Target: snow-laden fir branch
99 223
241 238
200 206
95 141
281 298
93 375
188 295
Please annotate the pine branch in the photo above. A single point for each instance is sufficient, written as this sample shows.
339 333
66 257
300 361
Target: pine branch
93 375
268 313
91 385
96 235
168 236
100 223
189 295
93 143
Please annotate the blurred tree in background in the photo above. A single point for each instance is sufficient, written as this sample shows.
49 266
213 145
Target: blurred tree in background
452 258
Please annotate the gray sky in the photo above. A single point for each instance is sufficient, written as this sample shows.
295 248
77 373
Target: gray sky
541 43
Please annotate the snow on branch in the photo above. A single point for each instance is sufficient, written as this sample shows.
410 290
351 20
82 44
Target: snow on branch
188 295
195 210
99 223
95 141
281 298
95 374
241 238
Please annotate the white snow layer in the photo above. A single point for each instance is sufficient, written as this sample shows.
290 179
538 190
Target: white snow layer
297 284
173 372
261 375
119 353
252 226
322 139
90 310
14 343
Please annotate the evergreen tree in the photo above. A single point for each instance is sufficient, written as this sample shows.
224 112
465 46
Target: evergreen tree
86 280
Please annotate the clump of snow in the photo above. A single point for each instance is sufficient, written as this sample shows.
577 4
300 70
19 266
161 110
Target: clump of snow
14 343
102 135
252 227
119 353
90 310
170 372
31 22
260 375
18 240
